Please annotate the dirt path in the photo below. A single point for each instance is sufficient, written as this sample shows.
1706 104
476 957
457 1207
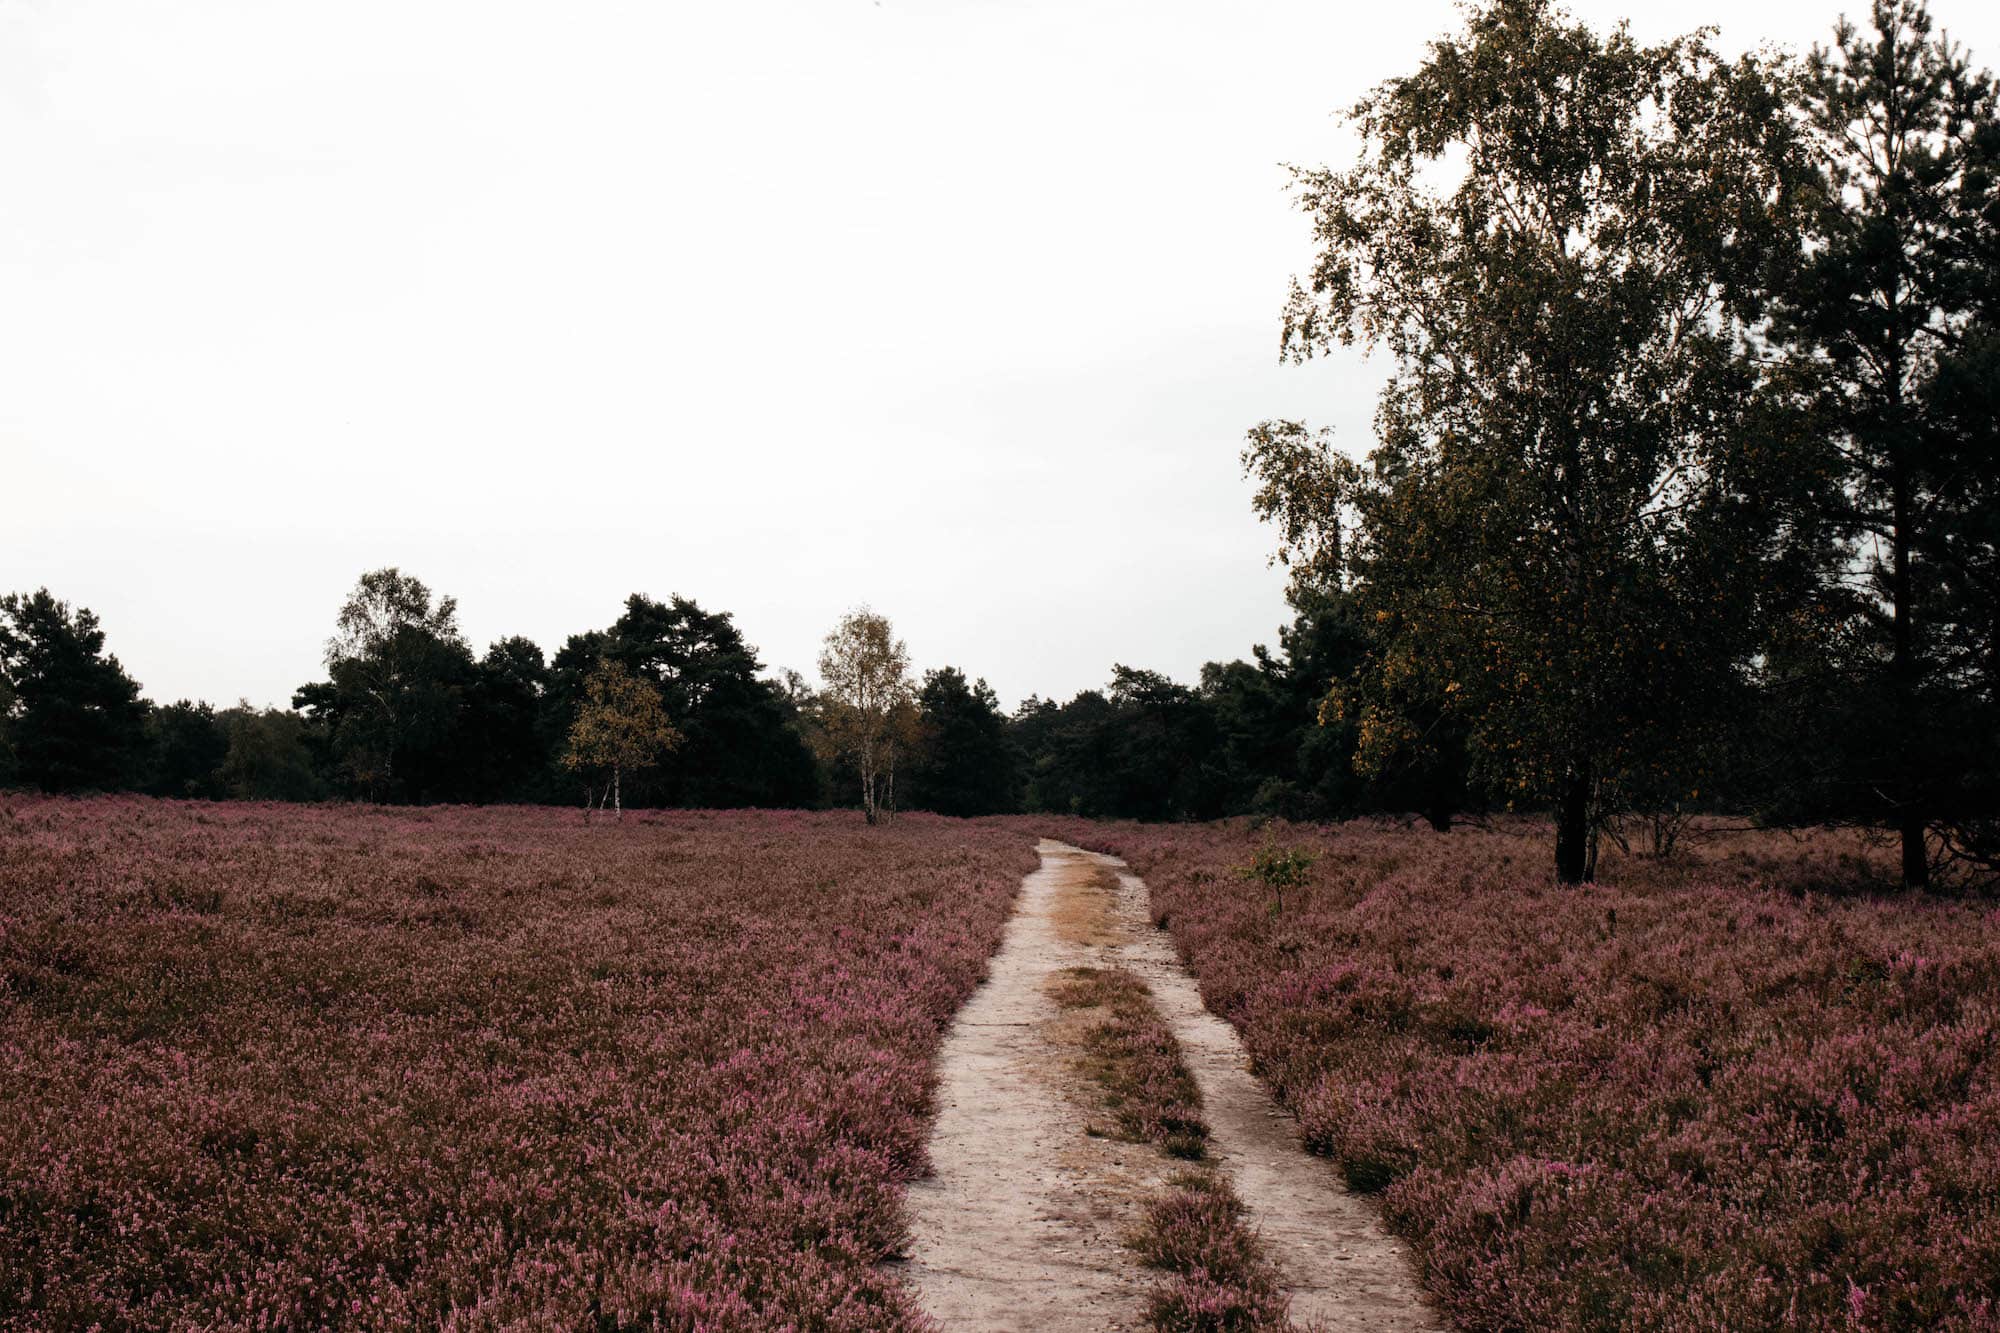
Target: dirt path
1023 1224
1020 1226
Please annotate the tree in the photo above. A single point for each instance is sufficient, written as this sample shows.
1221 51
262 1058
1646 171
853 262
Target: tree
1148 749
867 714
1421 763
74 720
398 668
1278 869
742 742
562 698
621 726
7 762
189 744
1886 312
1558 536
500 750
1163 748
1070 755
965 765
742 745
270 756
1282 751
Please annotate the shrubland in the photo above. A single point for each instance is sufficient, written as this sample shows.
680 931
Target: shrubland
268 1066
1740 1088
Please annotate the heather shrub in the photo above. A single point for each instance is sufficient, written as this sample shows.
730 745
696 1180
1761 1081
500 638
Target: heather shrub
1740 1088
1221 1282
347 1067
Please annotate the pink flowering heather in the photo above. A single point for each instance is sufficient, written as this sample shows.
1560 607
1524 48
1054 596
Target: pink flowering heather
1217 1277
339 1067
1735 1091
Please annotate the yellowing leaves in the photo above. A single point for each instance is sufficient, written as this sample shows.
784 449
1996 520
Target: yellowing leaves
621 724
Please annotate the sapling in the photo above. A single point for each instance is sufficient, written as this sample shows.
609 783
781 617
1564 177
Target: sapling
1277 871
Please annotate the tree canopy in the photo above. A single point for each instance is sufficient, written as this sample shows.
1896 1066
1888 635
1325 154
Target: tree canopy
620 727
1560 532
964 764
70 718
1885 317
867 712
397 668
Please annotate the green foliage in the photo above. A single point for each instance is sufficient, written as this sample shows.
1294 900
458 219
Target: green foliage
270 757
188 744
964 765
619 728
1250 738
398 670
1163 745
1146 749
741 741
73 720
866 715
500 748
1889 318
1560 537
1278 869
7 763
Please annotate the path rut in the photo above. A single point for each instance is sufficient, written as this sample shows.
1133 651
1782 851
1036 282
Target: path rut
1023 1223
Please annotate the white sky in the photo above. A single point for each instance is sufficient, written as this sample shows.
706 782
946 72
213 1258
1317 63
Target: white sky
959 309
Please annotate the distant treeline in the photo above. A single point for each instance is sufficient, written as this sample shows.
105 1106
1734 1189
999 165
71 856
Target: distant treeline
410 713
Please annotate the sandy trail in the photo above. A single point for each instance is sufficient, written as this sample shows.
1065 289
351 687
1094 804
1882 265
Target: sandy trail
1022 1226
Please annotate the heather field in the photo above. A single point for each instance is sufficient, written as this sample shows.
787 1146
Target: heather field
1737 1090
338 1066
296 1067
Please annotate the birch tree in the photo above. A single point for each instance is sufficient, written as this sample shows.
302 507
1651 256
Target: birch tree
1555 537
396 665
868 714
620 726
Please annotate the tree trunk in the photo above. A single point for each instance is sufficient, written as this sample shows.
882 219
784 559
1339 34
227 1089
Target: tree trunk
1910 820
1916 859
870 804
1573 858
618 793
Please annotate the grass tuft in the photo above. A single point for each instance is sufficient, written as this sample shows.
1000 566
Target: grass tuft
1132 1056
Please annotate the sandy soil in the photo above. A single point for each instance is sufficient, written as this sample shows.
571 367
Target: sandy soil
1023 1223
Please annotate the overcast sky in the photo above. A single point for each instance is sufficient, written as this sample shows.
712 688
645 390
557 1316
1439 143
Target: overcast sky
958 309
